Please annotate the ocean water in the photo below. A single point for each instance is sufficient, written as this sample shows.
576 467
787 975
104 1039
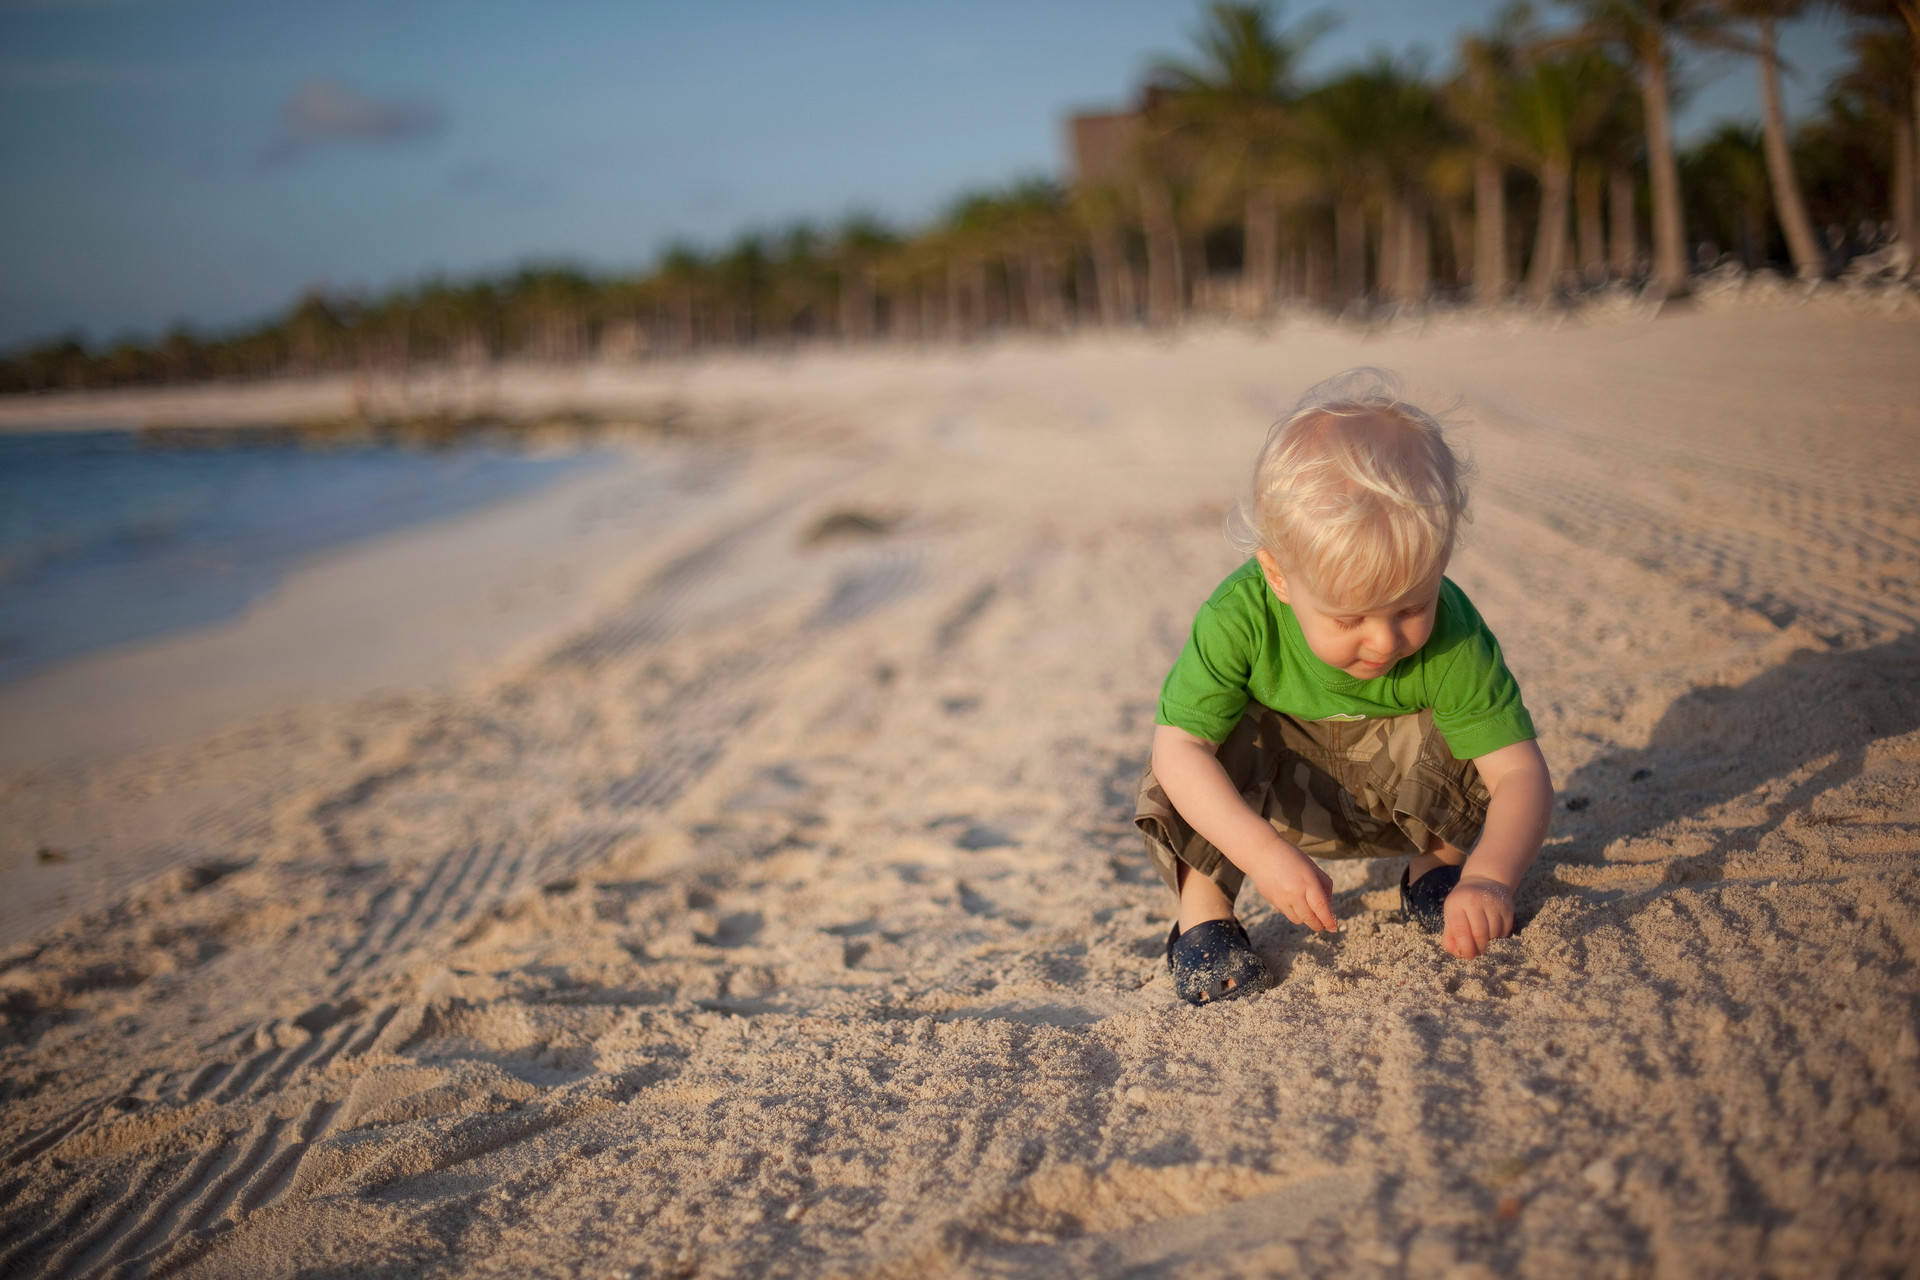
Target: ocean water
105 540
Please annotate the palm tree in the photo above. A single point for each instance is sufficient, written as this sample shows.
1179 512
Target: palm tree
969 240
1644 31
1336 136
1449 182
550 311
182 356
744 276
1877 89
859 246
1035 228
800 283
1554 110
1233 101
314 332
1101 209
1899 20
1475 96
1162 165
918 273
1728 181
1765 16
1605 158
686 278
1373 135
1614 154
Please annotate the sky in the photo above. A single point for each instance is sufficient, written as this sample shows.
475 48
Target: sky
205 161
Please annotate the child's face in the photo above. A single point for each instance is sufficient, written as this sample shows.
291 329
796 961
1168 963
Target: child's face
1363 643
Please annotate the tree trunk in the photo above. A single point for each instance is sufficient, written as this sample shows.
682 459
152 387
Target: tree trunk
1904 168
1420 254
1386 253
1350 250
1489 230
1809 260
956 326
1752 222
1460 233
1588 195
683 320
1046 306
1909 191
1669 226
1622 221
1316 275
856 304
1113 277
1261 262
1166 280
1407 232
934 312
1550 242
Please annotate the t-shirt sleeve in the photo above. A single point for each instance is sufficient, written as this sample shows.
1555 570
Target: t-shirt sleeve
1206 690
1477 707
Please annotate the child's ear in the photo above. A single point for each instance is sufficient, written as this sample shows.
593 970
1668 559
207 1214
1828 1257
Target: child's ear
1275 579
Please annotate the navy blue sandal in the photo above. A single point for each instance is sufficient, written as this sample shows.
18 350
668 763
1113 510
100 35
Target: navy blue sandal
1424 901
1214 961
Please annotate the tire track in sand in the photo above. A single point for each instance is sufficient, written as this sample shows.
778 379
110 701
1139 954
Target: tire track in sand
1828 540
165 1201
245 1170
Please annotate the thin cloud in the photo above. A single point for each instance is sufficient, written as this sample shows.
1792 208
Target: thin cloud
326 112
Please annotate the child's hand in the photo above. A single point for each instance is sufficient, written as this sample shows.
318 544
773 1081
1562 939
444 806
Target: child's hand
1299 890
1478 910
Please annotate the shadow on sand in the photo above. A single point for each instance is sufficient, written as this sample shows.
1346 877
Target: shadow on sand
1719 743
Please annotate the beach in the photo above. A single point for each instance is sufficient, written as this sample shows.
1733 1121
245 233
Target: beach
728 867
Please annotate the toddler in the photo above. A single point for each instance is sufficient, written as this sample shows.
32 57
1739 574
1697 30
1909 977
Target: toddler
1339 697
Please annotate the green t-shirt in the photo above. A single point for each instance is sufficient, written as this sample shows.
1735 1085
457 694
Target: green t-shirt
1246 644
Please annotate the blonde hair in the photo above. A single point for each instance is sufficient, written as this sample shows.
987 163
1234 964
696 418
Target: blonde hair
1356 492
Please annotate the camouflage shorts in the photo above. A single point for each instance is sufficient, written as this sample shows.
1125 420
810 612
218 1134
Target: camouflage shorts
1336 788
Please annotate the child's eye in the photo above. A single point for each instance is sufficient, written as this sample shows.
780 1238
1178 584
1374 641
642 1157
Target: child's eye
1413 613
1346 624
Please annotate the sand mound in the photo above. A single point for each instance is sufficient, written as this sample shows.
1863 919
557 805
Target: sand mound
788 918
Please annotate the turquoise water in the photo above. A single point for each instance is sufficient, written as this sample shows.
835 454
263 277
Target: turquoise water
104 541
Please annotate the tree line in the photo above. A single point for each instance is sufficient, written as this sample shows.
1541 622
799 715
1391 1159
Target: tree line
1539 166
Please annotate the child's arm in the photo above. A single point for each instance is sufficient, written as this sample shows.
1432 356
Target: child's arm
1480 909
1200 789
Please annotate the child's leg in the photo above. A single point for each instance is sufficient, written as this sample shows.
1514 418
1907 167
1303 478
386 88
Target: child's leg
1438 853
1208 954
1386 787
1201 899
1300 777
1411 778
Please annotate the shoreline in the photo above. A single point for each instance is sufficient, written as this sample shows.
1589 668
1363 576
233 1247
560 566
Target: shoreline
164 687
361 635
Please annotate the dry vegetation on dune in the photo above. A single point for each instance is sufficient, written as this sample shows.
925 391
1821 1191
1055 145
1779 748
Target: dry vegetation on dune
788 920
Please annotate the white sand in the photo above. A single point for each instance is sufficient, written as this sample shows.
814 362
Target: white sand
786 917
